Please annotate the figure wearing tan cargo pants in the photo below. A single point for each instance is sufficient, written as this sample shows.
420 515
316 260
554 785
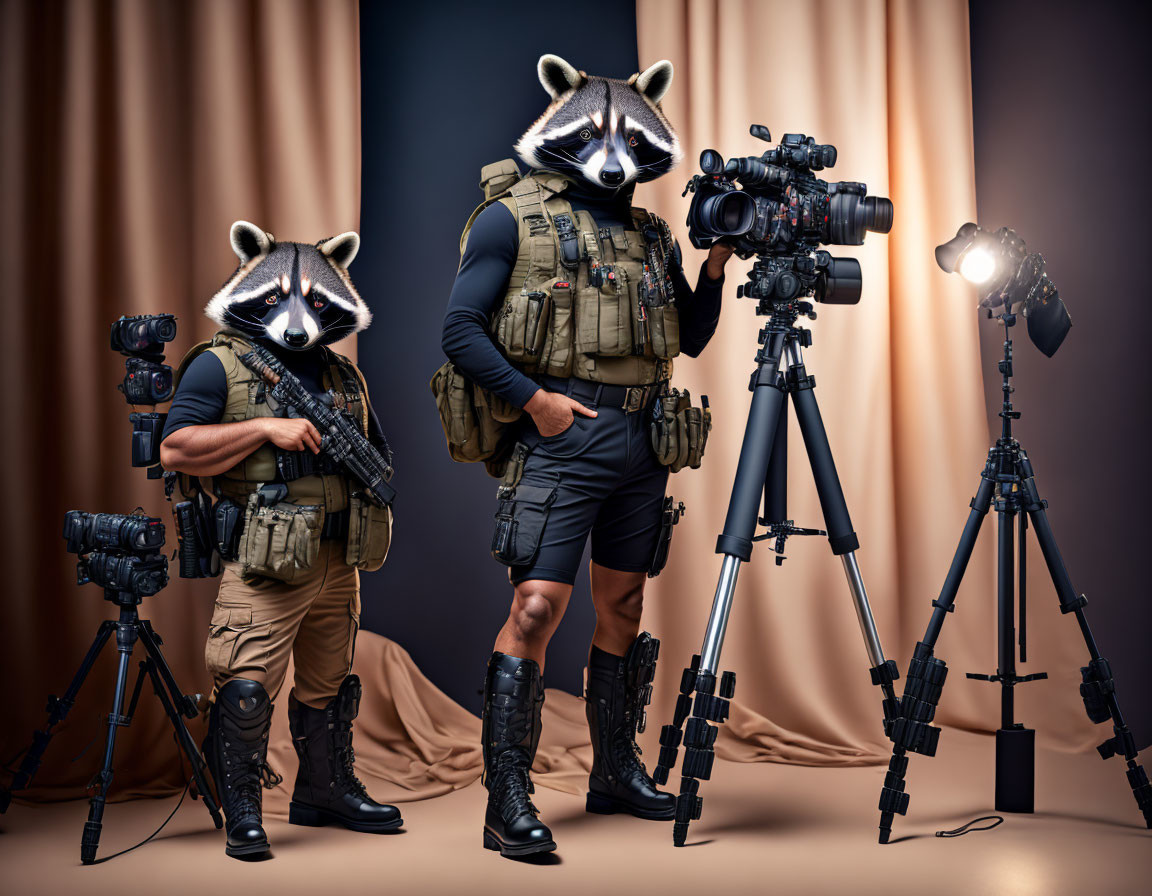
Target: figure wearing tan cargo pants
291 526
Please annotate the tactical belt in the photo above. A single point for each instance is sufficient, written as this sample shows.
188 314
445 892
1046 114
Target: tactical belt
335 525
629 399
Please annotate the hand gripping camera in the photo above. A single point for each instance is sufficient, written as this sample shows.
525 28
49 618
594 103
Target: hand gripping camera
774 207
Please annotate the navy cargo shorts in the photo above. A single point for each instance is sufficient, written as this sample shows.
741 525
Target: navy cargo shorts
599 477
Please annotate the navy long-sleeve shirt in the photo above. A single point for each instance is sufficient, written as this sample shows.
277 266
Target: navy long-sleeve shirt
482 282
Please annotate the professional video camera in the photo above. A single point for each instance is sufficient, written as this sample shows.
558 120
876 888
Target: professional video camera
143 334
86 532
782 213
119 552
147 380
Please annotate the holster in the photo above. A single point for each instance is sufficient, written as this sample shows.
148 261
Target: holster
669 517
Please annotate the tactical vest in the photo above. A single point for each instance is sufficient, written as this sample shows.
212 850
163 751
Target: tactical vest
582 301
248 398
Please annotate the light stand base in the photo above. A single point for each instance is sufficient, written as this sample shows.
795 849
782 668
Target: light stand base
1016 770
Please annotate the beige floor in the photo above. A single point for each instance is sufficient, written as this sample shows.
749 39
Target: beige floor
766 828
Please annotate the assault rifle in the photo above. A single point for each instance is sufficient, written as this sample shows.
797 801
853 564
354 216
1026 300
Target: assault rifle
341 439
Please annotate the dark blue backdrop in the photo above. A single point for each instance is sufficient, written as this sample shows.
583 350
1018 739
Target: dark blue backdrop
447 88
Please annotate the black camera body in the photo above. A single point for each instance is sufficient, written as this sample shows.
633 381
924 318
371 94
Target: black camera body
86 532
143 334
124 573
146 381
119 552
774 207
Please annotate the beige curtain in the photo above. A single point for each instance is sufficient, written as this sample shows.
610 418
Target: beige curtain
131 135
898 377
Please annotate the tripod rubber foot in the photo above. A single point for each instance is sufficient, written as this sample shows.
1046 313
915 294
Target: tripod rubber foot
90 842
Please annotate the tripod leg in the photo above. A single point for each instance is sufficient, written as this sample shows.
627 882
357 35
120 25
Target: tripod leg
735 543
58 708
841 535
912 730
90 840
170 697
1098 689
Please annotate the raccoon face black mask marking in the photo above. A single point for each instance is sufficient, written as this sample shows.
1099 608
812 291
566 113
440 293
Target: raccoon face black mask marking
294 294
604 132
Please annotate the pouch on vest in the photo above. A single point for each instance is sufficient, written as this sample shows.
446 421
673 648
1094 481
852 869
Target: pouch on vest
369 533
664 330
474 420
520 519
604 312
522 324
679 431
280 540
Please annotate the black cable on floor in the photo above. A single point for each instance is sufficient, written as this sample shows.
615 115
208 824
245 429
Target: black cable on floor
967 828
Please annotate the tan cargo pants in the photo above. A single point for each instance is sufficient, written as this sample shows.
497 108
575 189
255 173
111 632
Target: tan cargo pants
258 621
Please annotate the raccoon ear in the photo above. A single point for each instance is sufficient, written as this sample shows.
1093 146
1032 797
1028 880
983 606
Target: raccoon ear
249 241
557 76
655 80
341 249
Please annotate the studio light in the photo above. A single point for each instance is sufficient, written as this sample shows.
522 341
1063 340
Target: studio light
1011 281
977 265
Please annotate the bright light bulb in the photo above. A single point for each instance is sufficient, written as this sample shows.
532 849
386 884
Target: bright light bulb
977 266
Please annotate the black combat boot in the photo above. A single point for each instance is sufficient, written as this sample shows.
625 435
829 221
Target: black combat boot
235 751
618 690
513 698
327 789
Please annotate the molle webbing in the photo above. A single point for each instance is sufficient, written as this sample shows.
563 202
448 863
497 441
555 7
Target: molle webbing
596 329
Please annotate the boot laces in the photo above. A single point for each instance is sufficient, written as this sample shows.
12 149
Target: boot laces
512 784
244 787
626 751
346 764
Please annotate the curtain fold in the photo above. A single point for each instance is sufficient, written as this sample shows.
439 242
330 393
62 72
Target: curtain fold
132 134
899 384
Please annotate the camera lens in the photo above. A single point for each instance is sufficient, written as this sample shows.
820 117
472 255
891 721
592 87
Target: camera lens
165 329
162 384
851 215
878 214
726 214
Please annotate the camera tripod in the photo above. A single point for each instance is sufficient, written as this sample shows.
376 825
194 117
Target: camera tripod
129 629
761 475
1007 485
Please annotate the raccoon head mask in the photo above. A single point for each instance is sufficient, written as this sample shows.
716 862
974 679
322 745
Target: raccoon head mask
294 294
604 132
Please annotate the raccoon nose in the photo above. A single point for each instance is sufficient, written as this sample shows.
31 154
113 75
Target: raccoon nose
612 177
296 338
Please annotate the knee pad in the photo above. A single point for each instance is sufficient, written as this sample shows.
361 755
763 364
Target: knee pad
244 709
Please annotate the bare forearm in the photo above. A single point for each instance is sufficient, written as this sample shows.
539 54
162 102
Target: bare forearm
211 449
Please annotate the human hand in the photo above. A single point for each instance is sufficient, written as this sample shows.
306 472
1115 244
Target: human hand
553 412
718 256
292 433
